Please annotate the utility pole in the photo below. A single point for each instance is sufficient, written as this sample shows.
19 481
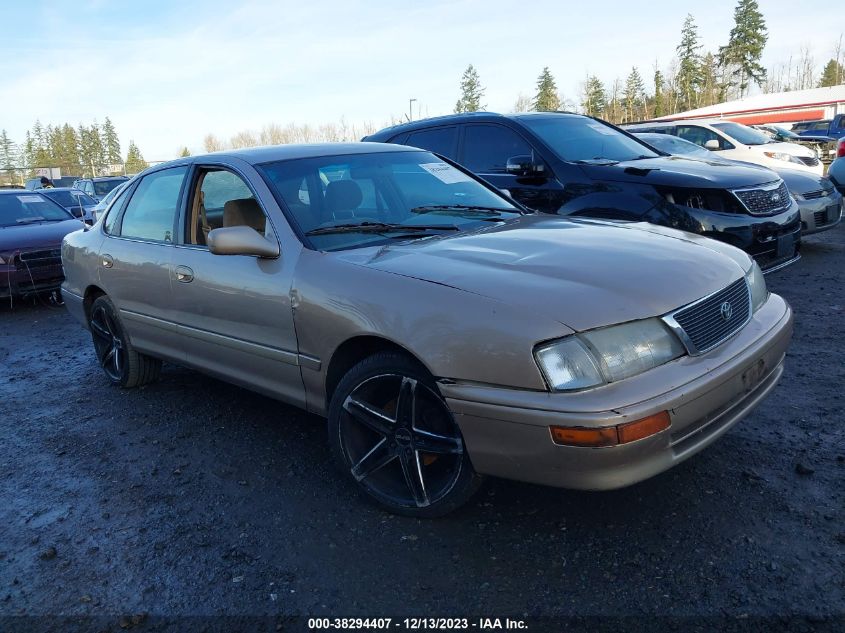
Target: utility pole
411 109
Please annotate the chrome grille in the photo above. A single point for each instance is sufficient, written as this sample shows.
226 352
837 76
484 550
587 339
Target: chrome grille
710 321
810 161
815 195
765 200
39 259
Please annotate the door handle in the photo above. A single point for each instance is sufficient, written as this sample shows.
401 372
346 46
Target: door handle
107 260
184 274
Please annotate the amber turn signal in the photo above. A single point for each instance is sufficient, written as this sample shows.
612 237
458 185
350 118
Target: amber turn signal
611 435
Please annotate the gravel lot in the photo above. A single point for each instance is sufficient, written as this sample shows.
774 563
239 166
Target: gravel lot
193 497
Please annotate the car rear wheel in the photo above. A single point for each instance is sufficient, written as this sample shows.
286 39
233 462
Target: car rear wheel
121 363
390 429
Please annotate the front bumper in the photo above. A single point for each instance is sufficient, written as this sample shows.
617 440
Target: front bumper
507 431
22 276
822 214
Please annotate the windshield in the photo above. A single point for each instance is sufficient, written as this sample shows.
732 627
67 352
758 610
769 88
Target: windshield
743 133
17 210
69 198
673 145
341 202
579 139
102 187
111 194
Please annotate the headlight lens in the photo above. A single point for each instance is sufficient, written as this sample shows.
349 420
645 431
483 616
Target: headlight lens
789 158
607 354
757 285
567 365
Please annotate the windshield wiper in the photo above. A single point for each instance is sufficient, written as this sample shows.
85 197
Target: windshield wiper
30 220
380 227
466 209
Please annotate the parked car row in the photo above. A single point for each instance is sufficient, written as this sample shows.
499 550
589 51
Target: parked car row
573 165
530 296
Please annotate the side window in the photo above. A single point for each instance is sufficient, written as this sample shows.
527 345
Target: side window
152 209
114 210
222 199
700 135
442 140
487 148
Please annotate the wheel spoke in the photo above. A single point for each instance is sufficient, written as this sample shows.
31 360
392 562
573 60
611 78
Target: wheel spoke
107 357
378 457
412 469
428 442
369 416
406 403
116 354
100 331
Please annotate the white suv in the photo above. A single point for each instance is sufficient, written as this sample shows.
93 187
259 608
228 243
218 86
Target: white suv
736 141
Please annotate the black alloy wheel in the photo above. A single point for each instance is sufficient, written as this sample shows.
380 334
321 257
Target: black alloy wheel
395 436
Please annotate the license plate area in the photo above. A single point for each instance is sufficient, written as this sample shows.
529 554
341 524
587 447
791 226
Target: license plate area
752 376
785 246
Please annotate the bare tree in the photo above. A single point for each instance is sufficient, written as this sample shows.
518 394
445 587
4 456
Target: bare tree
244 138
523 103
212 143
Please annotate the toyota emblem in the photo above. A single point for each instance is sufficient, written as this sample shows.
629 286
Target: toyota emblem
726 311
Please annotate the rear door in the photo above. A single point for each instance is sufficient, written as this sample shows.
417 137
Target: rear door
135 260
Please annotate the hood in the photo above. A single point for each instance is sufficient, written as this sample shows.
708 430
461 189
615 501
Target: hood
793 149
804 182
41 235
584 274
681 171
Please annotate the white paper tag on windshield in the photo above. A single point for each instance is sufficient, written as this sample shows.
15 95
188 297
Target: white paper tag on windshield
28 199
444 172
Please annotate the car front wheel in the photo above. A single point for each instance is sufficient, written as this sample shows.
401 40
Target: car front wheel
390 429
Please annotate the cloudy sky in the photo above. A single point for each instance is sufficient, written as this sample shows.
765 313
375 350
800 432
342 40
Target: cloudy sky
167 73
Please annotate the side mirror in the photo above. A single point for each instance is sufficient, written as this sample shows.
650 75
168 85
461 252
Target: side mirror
524 165
506 192
241 240
712 145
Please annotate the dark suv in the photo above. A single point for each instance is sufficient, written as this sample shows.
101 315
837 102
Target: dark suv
576 165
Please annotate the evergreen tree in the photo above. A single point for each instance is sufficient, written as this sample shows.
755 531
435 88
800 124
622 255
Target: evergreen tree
689 64
8 157
659 100
832 75
633 95
134 160
595 98
547 99
712 91
741 56
471 92
184 152
111 143
28 150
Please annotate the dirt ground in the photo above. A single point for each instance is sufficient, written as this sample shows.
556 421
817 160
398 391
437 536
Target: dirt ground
191 497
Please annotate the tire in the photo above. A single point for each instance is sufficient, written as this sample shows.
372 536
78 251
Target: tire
122 364
391 431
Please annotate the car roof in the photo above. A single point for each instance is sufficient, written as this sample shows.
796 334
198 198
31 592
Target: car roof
20 192
273 153
49 189
464 117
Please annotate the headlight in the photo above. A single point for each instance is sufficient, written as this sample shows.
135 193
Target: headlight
607 354
757 285
789 158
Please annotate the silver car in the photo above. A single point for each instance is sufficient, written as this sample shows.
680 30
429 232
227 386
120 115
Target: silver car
443 332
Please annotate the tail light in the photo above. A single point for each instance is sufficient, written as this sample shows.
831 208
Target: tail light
840 150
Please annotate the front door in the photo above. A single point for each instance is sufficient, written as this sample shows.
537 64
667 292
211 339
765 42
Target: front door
485 151
234 311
